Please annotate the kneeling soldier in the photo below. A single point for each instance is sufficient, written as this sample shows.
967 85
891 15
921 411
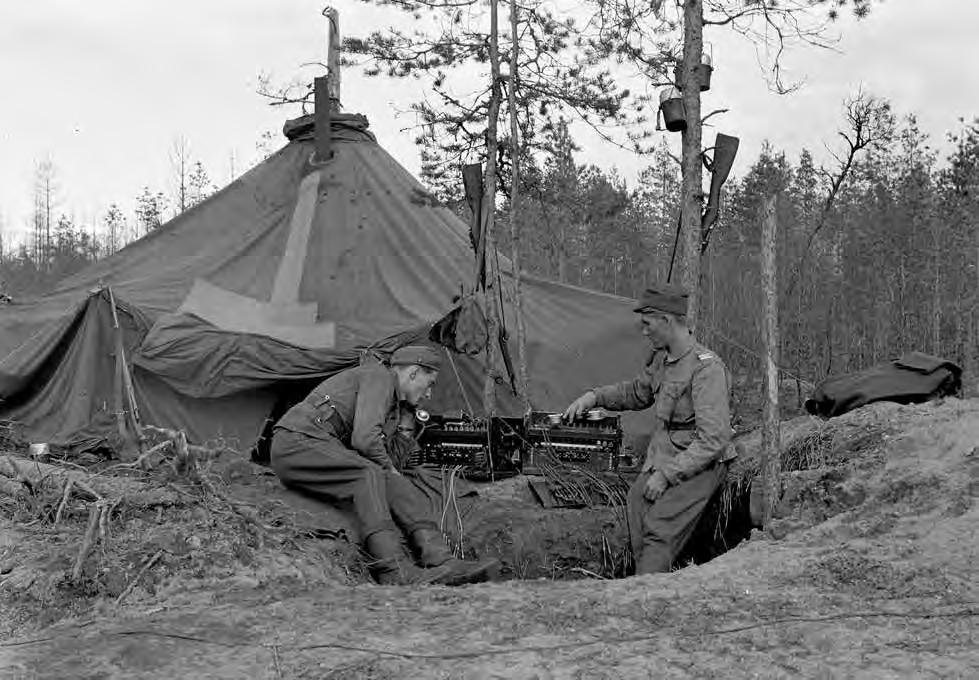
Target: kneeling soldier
332 447
687 457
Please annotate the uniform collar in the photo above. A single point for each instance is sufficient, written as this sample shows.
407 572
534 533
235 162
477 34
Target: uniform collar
691 344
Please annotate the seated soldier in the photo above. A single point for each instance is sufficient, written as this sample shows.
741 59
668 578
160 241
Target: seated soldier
688 454
332 446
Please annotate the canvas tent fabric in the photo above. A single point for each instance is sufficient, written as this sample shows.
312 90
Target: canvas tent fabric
61 385
382 262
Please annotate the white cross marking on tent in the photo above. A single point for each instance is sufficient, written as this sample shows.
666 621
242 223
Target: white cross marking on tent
283 317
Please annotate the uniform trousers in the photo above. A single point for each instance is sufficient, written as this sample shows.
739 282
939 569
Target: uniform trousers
327 470
659 530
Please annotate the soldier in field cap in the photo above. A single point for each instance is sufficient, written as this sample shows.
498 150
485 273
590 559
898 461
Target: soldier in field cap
332 446
687 386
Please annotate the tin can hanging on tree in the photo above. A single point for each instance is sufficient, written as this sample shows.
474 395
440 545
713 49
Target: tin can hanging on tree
701 72
673 110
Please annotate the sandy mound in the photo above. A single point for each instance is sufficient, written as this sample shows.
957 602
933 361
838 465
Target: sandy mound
872 571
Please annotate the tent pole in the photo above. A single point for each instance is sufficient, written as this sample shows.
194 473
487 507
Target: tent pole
324 143
326 89
127 379
333 57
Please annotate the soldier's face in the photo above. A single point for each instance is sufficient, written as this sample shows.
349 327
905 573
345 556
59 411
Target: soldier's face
419 385
656 328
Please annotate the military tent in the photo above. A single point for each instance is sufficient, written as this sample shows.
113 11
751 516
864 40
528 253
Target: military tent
281 278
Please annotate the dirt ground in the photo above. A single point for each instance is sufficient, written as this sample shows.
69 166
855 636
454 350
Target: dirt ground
871 571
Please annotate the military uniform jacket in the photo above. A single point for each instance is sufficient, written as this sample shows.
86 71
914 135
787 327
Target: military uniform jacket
358 406
690 396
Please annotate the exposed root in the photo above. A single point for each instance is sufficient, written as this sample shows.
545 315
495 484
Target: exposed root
64 501
13 481
132 584
88 541
98 530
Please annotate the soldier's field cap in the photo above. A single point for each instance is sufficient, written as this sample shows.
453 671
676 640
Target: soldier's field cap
417 355
663 298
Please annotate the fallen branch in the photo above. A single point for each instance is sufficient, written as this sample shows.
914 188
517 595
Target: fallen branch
586 572
104 526
13 482
132 584
185 455
33 475
145 461
99 514
275 660
88 542
64 502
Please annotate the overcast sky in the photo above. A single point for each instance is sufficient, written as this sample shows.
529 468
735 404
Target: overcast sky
103 87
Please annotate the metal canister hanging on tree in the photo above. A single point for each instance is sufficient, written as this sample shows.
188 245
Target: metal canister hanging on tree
673 110
701 72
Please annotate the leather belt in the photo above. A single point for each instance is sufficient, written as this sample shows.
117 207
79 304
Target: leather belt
679 427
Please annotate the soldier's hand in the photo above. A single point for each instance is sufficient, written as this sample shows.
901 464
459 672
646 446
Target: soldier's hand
655 486
580 405
647 465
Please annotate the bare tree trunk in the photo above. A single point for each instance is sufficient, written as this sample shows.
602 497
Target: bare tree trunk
713 292
38 219
522 375
903 330
489 217
179 159
971 357
46 249
936 299
562 256
47 223
960 348
770 432
691 161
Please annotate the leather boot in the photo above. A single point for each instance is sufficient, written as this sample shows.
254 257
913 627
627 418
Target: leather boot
434 553
391 566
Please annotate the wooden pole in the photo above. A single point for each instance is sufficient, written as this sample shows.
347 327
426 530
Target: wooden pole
523 380
770 444
322 133
326 89
691 156
489 215
333 57
127 394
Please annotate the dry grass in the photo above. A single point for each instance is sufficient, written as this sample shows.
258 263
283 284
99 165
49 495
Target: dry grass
806 444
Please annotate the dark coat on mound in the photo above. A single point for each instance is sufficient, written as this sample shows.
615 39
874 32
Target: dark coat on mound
914 378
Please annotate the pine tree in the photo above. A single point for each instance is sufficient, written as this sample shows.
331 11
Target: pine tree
115 226
149 211
199 185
